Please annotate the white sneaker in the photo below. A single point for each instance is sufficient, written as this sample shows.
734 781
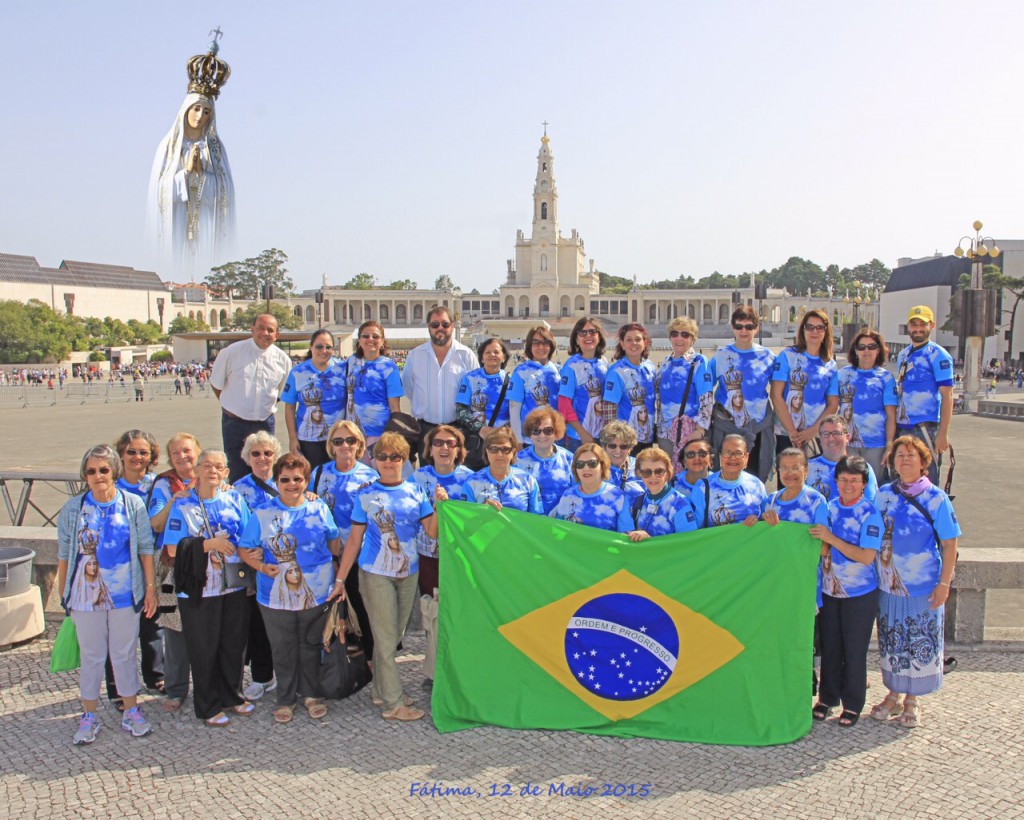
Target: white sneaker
88 728
255 691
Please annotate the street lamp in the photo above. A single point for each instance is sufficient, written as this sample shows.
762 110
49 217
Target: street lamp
977 310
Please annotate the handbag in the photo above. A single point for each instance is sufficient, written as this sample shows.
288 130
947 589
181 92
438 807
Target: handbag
475 458
343 666
66 654
682 426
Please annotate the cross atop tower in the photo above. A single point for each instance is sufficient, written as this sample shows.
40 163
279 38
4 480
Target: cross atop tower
545 124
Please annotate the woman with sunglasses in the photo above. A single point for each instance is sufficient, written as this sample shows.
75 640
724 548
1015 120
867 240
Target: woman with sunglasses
629 386
662 509
742 372
696 458
732 495
618 440
386 521
535 382
314 398
480 392
583 375
550 464
501 484
683 378
867 398
374 384
803 384
594 501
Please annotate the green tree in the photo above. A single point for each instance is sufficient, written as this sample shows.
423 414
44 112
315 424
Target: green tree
183 324
361 281
444 282
401 284
797 275
245 279
873 274
162 356
144 333
614 284
286 320
32 333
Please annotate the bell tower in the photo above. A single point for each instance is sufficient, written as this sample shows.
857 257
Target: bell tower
545 194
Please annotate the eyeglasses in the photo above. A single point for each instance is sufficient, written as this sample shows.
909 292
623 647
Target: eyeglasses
657 471
832 434
680 334
100 470
131 452
537 342
697 454
323 347
376 337
351 441
295 480
634 340
393 457
494 448
747 326
261 454
587 331
863 347
734 453
213 465
590 464
436 325
448 443
809 328
611 445
543 431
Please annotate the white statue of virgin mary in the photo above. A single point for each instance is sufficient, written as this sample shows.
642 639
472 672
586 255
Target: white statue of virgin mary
191 206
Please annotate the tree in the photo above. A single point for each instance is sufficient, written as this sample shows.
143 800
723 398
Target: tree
183 324
361 281
246 279
797 275
32 333
286 320
401 284
873 274
992 278
162 356
444 282
144 333
614 284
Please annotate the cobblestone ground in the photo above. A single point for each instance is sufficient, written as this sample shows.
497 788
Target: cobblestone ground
966 760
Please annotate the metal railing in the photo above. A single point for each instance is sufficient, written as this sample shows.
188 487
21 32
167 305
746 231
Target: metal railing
74 392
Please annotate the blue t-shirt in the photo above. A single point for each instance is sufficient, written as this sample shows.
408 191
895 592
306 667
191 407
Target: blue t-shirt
821 475
141 489
228 513
159 497
369 386
808 383
626 480
479 392
666 515
863 397
670 384
684 486
255 496
553 474
606 509
427 479
393 517
338 491
518 490
860 525
810 507
103 575
922 371
741 382
909 561
632 389
727 502
296 539
534 385
583 384
319 398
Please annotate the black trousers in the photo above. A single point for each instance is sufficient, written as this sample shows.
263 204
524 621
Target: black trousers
234 432
151 650
315 452
215 631
355 600
257 650
845 633
295 638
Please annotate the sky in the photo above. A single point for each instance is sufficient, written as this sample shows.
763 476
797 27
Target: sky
400 138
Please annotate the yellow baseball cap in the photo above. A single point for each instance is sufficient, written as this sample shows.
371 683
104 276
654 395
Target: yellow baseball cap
922 312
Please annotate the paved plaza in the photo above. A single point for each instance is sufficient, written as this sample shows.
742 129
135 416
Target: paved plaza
967 759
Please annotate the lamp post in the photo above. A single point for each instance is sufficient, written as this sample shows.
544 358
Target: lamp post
977 316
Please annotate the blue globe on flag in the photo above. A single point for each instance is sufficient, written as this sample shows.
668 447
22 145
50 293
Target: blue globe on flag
621 646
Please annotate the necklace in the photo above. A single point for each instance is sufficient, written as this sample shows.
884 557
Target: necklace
196 183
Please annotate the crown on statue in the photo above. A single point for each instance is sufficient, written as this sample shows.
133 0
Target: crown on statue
385 520
847 391
722 515
312 394
637 396
889 523
594 387
540 393
798 378
207 73
283 547
88 540
478 402
733 378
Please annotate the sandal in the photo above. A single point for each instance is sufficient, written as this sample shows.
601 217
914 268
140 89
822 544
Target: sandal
219 720
316 708
408 701
848 719
911 717
244 708
888 708
172 704
821 711
118 704
283 714
403 712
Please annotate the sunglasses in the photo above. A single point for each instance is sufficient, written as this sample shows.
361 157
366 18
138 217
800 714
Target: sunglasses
590 464
262 454
393 457
696 454
131 452
656 471
814 328
538 342
680 334
747 326
587 331
436 325
494 448
613 446
296 480
860 348
373 336
323 347
349 440
543 431
446 443
100 470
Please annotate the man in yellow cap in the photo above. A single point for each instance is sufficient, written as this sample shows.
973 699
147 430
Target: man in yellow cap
924 385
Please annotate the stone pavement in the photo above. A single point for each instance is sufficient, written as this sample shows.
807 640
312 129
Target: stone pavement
966 760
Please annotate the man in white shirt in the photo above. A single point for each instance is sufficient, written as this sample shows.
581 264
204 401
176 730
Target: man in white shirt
248 377
433 371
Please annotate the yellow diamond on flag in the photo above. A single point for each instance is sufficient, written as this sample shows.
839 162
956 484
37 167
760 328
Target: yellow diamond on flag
622 646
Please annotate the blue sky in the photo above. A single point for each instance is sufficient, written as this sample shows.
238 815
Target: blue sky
400 138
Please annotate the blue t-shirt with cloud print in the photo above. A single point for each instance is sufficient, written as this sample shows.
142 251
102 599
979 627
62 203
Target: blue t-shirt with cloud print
518 490
861 525
369 387
670 513
319 397
606 509
103 575
393 517
553 474
427 478
922 371
741 382
863 397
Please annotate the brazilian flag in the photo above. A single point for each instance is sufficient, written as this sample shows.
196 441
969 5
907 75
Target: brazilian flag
547 624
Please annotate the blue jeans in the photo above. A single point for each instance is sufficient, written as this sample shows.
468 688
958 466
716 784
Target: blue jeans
234 432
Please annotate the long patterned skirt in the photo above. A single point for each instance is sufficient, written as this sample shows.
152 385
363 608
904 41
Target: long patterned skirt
911 642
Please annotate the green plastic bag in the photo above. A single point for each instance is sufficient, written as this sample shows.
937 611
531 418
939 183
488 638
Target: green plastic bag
65 655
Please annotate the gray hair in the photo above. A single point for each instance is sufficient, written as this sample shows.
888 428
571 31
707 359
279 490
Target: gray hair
734 437
105 453
208 453
261 438
619 430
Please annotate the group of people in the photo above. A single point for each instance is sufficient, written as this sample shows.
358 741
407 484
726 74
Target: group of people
236 556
